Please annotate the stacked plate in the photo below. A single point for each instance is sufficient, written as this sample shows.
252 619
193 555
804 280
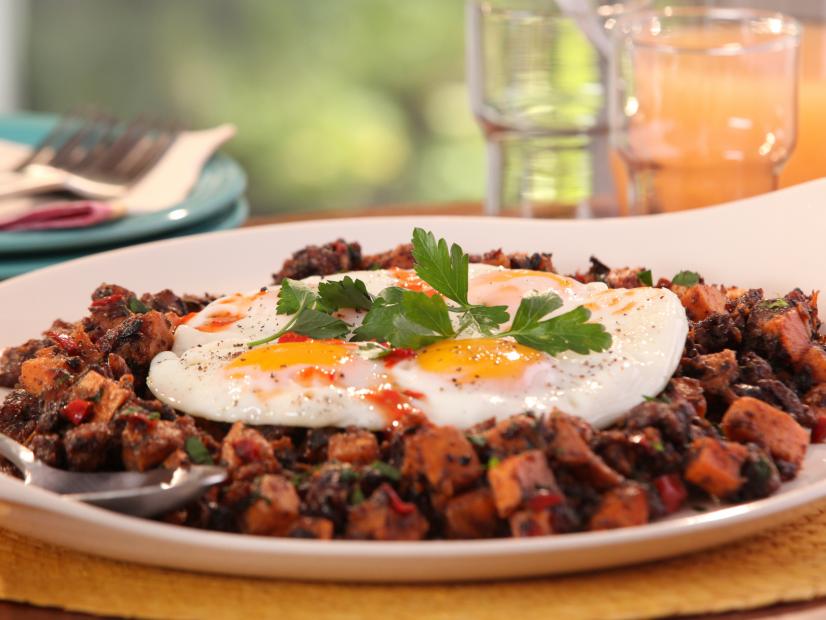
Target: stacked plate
216 202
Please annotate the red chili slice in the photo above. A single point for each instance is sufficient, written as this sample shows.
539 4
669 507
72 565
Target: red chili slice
293 337
672 491
819 430
108 300
397 503
65 342
77 411
543 501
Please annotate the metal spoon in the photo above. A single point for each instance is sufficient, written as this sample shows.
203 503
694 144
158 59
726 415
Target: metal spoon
143 494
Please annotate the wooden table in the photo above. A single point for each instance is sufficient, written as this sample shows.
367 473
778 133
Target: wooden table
810 610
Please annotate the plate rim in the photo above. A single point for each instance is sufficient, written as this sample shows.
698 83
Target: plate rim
127 228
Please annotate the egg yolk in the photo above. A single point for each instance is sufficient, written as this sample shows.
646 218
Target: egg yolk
318 353
508 275
478 358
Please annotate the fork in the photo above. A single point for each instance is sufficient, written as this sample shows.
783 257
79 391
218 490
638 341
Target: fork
142 494
91 155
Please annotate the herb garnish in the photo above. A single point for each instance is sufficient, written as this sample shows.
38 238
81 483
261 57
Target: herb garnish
645 277
310 314
410 319
137 306
197 451
773 304
686 278
386 470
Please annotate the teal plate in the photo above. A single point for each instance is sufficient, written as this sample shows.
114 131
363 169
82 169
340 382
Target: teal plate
233 216
221 183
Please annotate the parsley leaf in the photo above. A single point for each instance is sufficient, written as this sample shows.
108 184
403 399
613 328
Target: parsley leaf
317 324
532 309
137 306
686 278
645 277
378 322
386 470
294 297
428 311
773 304
345 293
565 332
406 319
445 270
197 451
484 318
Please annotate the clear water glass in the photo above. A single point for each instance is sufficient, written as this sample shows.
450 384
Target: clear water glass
703 105
537 82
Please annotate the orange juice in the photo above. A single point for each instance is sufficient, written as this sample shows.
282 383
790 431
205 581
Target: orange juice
705 128
808 161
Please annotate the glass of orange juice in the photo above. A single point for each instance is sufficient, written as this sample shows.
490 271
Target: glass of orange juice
702 104
808 161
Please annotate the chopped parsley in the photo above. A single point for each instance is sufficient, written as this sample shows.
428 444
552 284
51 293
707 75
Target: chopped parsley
686 278
197 451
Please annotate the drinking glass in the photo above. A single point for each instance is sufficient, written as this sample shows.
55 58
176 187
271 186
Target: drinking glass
703 104
807 162
537 73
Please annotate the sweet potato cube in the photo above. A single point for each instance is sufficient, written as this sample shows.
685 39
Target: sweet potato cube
749 419
719 371
702 300
44 372
793 331
383 516
518 479
621 507
814 361
106 395
471 515
147 443
356 446
443 456
274 507
311 527
525 523
714 466
570 449
512 436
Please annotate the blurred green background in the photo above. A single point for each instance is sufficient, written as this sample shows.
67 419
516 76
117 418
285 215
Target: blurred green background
338 103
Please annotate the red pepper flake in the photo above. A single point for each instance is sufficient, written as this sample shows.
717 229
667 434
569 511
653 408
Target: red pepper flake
108 300
77 411
398 355
247 450
672 491
65 342
414 394
293 337
544 500
819 430
397 503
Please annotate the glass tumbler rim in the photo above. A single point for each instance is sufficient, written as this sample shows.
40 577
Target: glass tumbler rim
785 28
550 10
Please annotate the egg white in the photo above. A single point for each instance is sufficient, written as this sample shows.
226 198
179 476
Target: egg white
648 328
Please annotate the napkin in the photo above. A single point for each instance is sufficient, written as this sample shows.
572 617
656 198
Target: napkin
165 185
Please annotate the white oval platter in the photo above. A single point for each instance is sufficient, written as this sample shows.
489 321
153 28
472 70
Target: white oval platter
772 241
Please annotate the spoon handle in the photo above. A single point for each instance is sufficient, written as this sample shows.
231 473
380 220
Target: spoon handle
20 456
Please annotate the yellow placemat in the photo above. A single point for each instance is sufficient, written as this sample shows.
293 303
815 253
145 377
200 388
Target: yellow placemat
784 564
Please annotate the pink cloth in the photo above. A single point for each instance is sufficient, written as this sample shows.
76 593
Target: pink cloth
60 214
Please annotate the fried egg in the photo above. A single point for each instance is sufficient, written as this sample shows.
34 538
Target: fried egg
211 372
